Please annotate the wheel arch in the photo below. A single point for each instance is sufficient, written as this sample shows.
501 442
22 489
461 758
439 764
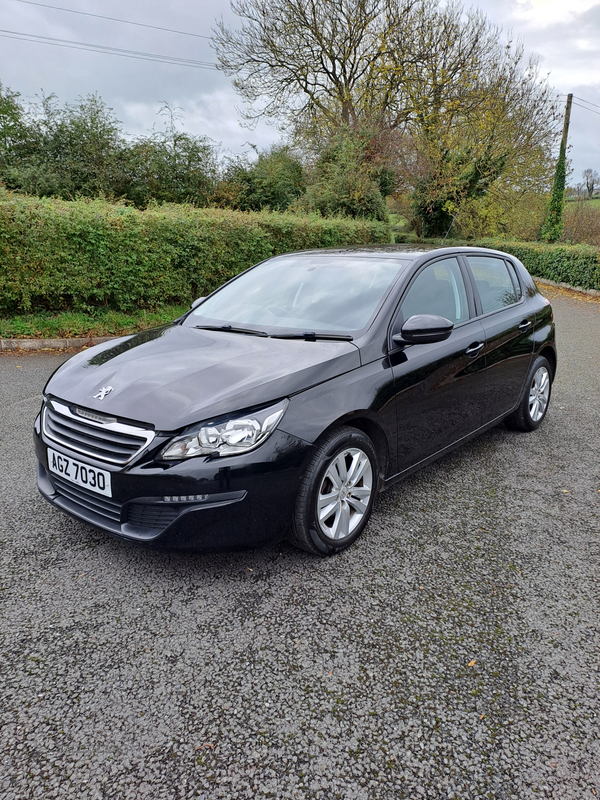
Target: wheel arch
550 355
375 433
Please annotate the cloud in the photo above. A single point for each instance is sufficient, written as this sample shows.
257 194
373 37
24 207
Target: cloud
566 36
542 13
135 89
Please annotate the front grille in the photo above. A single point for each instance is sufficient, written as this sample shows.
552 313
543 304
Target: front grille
88 505
111 441
141 520
151 516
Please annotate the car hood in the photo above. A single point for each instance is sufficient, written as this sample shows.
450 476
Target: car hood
174 376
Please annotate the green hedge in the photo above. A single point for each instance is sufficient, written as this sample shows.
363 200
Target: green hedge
575 264
57 255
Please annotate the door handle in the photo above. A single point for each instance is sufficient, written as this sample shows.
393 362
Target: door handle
474 348
525 324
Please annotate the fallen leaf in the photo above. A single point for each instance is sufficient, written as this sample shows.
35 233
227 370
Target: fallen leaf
472 663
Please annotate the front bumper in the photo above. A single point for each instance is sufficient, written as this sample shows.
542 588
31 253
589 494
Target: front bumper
196 504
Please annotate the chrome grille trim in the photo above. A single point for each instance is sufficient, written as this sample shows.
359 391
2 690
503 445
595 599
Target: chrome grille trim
111 442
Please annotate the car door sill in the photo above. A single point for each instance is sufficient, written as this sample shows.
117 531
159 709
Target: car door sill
430 459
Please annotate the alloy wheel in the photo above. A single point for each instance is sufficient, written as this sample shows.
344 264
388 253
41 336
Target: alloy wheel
344 494
539 394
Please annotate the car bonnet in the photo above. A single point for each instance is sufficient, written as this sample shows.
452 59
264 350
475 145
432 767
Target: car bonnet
174 376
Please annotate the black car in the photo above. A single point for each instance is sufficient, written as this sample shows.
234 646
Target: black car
282 403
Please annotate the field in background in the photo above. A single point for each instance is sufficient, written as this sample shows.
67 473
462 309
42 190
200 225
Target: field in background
582 222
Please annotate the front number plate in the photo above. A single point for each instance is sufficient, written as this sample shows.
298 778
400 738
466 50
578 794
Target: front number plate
96 480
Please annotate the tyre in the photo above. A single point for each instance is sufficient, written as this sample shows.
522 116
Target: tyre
533 406
336 494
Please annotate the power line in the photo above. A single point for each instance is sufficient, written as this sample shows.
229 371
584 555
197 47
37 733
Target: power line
585 101
113 51
588 102
587 109
114 19
108 48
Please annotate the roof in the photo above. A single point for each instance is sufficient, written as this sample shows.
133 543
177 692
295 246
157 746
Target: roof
395 250
390 250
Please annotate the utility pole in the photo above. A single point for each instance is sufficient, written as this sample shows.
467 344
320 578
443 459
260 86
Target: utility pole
563 144
552 229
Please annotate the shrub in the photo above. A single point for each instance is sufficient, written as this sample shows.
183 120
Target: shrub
59 255
344 181
511 214
274 181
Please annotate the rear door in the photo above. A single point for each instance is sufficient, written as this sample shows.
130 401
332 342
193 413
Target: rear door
439 388
508 322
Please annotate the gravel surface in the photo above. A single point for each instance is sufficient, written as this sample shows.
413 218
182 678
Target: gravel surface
453 652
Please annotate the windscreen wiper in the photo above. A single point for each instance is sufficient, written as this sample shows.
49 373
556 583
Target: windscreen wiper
311 336
231 329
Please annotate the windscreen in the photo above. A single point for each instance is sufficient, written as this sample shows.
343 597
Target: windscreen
303 293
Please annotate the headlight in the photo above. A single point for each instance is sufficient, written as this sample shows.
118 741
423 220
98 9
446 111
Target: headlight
228 437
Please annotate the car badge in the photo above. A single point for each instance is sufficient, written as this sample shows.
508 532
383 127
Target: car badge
103 392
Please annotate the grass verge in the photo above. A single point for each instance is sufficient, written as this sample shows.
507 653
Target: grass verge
70 324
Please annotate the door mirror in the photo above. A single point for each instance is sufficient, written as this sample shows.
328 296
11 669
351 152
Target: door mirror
424 329
197 303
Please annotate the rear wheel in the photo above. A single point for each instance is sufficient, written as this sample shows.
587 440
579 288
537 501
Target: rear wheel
337 492
534 404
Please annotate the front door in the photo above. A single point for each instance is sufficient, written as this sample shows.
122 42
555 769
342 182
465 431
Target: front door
439 388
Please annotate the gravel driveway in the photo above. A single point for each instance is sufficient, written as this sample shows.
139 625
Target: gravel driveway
453 652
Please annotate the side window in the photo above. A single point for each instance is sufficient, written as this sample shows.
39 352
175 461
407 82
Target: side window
438 289
496 287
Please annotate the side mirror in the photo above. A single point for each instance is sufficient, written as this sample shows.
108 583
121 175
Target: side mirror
197 303
424 329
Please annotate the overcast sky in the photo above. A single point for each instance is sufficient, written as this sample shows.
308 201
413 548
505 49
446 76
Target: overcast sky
565 36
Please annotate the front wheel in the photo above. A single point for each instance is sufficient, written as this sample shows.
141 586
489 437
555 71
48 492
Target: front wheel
534 403
336 494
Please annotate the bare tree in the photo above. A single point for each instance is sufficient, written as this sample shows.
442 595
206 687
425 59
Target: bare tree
330 58
438 76
591 178
387 63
